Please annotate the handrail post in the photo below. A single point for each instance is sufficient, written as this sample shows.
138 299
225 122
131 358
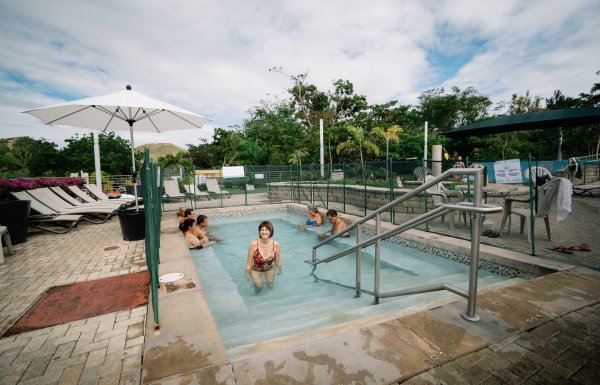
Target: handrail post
475 235
377 257
358 255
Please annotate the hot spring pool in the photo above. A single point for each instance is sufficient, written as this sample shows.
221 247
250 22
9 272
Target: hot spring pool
299 301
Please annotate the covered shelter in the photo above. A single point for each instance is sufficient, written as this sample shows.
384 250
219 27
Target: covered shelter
569 117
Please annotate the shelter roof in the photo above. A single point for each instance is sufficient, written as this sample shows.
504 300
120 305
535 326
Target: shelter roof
570 117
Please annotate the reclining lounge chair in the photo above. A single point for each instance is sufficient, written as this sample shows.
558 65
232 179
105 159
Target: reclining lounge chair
214 190
172 190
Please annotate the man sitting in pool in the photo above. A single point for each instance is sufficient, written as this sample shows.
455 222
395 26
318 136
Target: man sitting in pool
314 217
201 225
183 214
263 256
337 225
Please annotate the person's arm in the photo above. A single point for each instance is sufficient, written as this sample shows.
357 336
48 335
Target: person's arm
278 257
249 260
192 241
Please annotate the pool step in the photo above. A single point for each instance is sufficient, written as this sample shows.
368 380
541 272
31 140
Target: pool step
301 317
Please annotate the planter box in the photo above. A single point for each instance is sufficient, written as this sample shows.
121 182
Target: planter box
15 216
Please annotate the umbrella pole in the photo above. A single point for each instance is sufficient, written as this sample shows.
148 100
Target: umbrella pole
135 191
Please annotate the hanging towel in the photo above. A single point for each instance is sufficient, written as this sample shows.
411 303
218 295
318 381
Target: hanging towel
575 165
563 199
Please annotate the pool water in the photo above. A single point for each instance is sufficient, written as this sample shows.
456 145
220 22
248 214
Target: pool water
303 299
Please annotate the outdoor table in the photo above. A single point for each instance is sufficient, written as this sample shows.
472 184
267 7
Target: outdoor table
497 188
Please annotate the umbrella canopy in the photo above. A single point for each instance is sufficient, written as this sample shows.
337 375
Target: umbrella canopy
120 111
125 110
570 117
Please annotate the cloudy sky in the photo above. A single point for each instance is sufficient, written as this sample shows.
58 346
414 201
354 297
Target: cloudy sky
212 57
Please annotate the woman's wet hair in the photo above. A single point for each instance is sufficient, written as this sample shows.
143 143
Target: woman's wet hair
313 208
187 212
186 224
268 225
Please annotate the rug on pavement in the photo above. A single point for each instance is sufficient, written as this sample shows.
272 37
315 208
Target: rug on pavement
68 303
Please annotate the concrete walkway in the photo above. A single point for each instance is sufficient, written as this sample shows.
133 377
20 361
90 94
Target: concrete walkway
542 330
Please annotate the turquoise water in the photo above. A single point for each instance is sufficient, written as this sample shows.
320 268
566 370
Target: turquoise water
302 299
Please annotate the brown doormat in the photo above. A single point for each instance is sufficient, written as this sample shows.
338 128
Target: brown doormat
62 304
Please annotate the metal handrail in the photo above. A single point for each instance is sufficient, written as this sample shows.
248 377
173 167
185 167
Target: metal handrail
476 208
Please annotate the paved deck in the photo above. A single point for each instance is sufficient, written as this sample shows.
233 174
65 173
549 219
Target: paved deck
543 330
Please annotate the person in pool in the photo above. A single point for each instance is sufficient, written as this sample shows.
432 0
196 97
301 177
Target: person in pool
314 217
337 225
264 255
201 225
188 228
183 214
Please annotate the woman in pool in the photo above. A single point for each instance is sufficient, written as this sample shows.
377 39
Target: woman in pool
263 257
314 218
187 227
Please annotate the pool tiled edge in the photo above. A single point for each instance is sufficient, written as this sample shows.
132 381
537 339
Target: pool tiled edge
188 348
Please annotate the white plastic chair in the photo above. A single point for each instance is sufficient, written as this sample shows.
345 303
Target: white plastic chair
546 195
5 236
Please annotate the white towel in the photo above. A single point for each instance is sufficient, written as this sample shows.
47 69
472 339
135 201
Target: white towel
563 200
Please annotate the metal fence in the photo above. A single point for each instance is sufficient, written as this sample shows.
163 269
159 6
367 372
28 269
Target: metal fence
359 189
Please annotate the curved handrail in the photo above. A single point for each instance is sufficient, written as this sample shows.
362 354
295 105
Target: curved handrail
476 208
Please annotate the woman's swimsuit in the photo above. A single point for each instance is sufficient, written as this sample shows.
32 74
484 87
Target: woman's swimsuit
309 222
261 264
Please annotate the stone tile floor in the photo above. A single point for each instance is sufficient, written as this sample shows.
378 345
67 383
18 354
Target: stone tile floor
108 349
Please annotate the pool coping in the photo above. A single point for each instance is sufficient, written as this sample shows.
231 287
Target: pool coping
188 345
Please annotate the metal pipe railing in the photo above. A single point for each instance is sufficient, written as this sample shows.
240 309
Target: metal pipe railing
476 208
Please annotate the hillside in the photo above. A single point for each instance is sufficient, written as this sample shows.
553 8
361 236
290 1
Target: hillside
158 150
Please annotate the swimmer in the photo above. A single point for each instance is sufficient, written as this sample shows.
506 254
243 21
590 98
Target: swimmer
263 257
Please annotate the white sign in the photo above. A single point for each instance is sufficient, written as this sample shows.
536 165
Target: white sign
508 171
233 172
259 176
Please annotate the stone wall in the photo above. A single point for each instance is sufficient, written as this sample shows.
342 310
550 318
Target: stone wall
355 195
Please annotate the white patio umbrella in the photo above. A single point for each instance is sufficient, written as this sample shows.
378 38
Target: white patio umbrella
125 110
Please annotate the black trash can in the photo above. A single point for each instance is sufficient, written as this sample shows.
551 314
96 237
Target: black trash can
133 224
15 216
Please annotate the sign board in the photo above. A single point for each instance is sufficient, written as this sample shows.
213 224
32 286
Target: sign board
508 171
259 176
233 172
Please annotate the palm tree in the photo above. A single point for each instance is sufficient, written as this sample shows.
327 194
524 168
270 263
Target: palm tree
390 134
296 158
357 138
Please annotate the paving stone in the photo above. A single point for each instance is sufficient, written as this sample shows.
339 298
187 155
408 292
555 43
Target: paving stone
588 374
36 368
96 358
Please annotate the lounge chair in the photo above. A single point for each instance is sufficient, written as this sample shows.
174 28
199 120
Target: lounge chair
191 193
55 204
214 190
79 193
74 202
59 203
590 188
172 190
98 193
47 216
546 195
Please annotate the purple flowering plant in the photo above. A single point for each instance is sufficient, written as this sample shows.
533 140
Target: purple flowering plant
21 184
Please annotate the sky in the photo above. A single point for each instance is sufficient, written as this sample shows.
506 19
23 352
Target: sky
213 57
